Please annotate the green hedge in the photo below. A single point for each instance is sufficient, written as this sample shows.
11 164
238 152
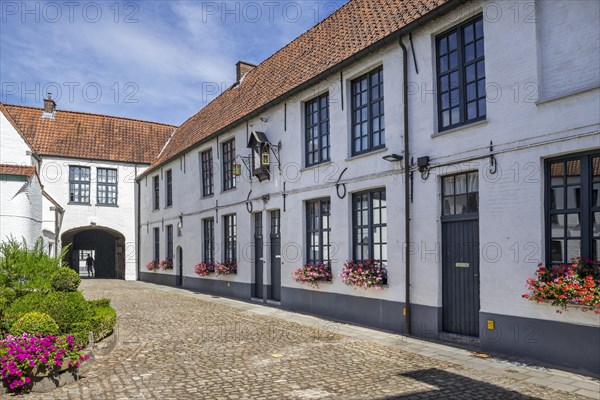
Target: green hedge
65 280
67 309
34 323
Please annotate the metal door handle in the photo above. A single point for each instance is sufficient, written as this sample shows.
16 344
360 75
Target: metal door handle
262 259
278 256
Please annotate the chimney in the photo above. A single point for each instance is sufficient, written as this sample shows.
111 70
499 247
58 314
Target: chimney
241 69
49 107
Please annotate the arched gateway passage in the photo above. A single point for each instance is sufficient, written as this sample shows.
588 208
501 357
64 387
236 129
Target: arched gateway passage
107 246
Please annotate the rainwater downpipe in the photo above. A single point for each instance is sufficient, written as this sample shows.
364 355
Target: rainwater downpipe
407 249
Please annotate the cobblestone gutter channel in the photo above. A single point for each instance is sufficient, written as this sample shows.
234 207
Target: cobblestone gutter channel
172 344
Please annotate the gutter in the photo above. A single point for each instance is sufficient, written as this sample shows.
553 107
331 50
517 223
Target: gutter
138 226
393 37
407 177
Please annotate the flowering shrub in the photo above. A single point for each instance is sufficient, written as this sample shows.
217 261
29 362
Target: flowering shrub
311 274
166 264
226 267
364 274
21 357
152 265
561 285
204 268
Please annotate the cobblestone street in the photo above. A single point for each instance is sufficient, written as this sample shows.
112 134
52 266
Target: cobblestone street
172 344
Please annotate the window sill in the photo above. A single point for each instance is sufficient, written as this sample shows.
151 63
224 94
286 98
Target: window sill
167 207
460 128
367 154
317 166
155 209
228 190
210 196
107 205
72 203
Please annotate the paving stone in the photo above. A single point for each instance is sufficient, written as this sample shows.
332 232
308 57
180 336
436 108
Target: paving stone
173 344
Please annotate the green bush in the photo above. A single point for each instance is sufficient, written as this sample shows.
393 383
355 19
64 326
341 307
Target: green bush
67 308
100 303
65 280
34 323
103 322
30 302
27 269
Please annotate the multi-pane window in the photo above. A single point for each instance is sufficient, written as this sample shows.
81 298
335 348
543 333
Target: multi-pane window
461 75
107 186
230 237
318 231
207 173
170 241
156 189
317 130
169 188
369 237
79 185
573 208
208 228
460 193
156 244
228 162
368 122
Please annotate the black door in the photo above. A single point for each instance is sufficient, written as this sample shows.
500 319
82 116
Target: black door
180 267
460 254
275 255
258 256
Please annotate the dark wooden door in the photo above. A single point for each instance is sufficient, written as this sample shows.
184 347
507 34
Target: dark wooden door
179 267
460 255
275 255
258 256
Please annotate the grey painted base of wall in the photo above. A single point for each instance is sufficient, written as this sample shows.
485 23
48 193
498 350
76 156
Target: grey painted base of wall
569 346
160 279
380 314
559 344
219 287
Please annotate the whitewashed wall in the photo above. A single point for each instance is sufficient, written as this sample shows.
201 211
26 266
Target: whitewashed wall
21 210
13 149
55 177
524 131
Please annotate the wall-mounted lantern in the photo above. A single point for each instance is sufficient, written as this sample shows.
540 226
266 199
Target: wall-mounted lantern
261 160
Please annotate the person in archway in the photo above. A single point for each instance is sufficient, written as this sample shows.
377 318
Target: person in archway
89 262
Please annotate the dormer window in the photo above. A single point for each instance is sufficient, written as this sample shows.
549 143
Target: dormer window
260 155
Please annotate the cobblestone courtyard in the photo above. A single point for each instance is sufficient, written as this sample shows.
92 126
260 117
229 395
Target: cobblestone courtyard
172 344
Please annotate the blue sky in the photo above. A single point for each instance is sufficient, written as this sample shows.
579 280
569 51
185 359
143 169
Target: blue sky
154 60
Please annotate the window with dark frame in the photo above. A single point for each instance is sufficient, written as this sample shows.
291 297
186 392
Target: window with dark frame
368 120
230 237
170 241
461 75
169 188
228 162
317 130
318 231
460 194
156 187
156 244
207 173
79 185
106 190
369 220
208 228
573 208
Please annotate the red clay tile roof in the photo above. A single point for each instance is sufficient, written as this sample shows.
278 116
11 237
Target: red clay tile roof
91 136
20 170
354 27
